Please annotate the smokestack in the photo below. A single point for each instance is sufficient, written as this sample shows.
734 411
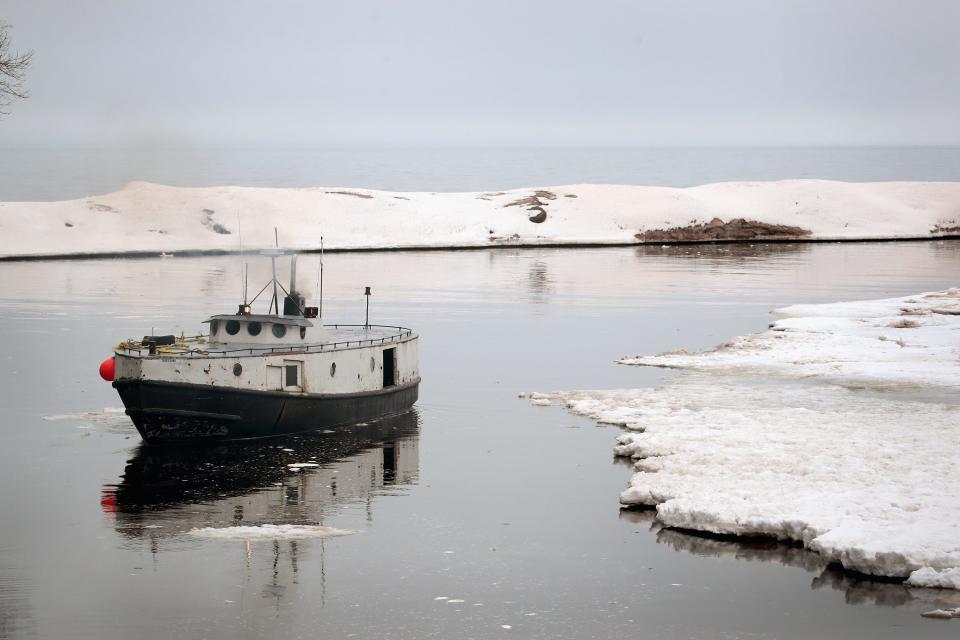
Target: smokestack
293 274
293 303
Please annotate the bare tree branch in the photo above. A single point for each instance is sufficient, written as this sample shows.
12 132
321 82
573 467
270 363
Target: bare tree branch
13 69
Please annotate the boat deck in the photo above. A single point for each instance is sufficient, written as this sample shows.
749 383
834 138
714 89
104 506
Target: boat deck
338 337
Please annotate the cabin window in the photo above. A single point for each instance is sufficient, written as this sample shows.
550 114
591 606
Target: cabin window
279 330
389 367
303 332
333 369
292 375
214 326
233 327
253 328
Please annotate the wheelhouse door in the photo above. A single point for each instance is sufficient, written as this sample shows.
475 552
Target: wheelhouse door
389 367
274 378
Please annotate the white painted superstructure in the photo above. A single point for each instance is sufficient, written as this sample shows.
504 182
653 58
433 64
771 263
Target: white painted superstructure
352 360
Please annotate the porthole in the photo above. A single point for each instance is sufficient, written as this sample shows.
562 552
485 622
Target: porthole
237 369
214 326
303 332
279 330
333 369
233 327
253 328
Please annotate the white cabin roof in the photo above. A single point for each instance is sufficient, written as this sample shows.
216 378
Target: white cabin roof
297 321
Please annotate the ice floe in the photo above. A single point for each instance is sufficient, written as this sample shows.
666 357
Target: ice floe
270 532
780 434
913 340
92 416
928 577
158 219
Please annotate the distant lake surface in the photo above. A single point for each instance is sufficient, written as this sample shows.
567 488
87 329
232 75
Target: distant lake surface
42 174
476 516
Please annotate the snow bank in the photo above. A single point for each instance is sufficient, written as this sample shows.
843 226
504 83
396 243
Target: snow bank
899 341
269 532
145 217
865 477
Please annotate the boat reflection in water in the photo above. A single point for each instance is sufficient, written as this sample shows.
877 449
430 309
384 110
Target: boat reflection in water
166 492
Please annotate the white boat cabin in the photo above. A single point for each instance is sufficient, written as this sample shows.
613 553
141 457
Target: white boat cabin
263 330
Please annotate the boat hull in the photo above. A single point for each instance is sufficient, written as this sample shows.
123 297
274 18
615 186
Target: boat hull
173 412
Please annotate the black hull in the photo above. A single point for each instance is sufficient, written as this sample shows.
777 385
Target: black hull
169 412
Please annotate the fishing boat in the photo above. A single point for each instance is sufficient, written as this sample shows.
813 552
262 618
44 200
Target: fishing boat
257 375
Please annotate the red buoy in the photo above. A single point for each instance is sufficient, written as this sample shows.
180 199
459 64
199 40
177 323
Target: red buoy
107 369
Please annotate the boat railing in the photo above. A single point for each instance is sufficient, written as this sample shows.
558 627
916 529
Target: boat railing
183 350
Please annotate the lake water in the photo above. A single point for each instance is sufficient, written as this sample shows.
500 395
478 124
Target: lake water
508 511
57 174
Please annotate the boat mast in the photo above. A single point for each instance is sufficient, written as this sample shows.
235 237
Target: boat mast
275 304
320 301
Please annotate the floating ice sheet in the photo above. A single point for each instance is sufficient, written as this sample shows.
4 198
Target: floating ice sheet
865 477
270 532
911 341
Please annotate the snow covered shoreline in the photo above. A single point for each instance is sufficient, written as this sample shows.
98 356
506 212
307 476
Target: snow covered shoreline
811 432
145 218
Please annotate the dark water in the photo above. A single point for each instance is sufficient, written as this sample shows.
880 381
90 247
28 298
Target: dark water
476 496
48 174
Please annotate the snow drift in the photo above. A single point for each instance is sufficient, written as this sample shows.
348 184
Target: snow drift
757 442
148 218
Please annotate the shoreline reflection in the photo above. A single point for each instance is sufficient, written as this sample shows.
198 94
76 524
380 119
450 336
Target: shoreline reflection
858 589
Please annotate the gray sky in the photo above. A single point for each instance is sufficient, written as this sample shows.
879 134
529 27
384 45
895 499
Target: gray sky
490 72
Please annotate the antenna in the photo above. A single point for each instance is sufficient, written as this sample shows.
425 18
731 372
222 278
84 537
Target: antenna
243 277
274 303
320 278
246 279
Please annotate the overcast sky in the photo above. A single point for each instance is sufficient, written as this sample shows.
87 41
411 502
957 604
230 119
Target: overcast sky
488 72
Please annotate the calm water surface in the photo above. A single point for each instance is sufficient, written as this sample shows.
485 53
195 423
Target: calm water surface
58 174
476 496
